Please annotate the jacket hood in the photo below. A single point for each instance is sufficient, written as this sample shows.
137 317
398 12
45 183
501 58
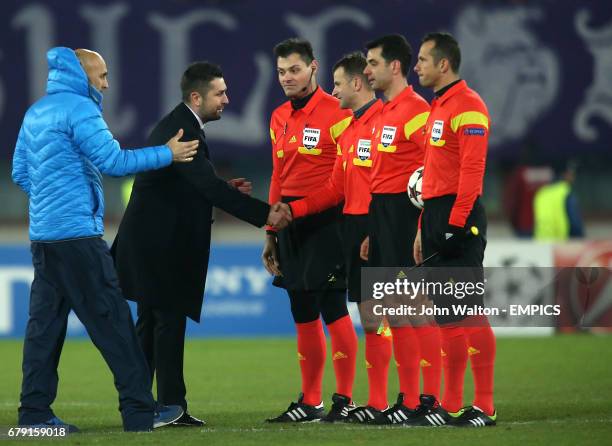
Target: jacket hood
67 75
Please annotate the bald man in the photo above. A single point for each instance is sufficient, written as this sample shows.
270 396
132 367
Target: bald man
63 147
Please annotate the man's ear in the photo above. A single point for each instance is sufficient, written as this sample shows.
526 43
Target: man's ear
315 66
396 66
195 98
444 66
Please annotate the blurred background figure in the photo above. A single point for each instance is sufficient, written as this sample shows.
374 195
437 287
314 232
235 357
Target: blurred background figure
555 207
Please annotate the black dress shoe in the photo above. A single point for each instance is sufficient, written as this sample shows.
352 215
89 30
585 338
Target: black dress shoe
187 420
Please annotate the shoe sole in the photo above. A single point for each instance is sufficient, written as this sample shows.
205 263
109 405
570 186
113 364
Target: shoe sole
316 420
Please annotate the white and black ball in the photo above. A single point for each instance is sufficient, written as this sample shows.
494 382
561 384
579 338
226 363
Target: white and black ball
415 184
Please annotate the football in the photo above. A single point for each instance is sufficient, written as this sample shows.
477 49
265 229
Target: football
414 187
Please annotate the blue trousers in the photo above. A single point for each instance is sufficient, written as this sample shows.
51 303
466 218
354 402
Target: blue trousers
79 275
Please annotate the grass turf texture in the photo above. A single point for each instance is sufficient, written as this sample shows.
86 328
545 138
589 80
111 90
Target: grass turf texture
555 390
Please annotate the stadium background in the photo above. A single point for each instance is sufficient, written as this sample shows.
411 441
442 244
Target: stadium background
543 69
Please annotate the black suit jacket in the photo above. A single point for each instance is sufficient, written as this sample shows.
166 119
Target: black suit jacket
161 250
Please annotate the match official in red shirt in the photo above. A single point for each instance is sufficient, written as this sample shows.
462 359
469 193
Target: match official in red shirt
350 181
397 151
456 138
306 258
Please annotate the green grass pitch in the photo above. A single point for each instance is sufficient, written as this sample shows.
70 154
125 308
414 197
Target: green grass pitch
551 390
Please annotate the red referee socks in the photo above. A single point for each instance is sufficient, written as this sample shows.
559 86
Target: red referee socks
311 356
454 362
344 353
481 350
407 357
474 338
431 358
377 354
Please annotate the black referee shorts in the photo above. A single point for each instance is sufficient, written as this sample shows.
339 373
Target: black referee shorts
310 252
393 221
355 231
465 267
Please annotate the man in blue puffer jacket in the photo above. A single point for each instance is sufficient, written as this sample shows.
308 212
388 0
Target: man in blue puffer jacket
63 147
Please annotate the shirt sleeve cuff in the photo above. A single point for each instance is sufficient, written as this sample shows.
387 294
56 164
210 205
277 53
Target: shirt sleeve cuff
457 220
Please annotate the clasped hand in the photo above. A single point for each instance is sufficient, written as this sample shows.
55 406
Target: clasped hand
280 215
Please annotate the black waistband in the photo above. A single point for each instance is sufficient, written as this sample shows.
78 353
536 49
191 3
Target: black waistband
390 195
446 200
286 199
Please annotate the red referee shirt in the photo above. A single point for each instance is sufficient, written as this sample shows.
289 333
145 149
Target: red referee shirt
304 145
456 137
350 179
397 145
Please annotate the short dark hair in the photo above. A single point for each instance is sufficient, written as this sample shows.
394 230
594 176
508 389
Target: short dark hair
353 65
295 45
197 77
394 47
446 47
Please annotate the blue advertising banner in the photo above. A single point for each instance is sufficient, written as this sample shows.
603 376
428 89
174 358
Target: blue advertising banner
543 69
239 298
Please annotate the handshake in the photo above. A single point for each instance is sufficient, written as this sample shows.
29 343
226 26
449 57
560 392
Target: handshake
280 215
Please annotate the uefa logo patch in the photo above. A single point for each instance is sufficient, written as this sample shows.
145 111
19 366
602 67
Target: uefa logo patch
478 131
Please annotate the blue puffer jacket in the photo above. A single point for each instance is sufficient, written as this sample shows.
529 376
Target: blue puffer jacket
62 147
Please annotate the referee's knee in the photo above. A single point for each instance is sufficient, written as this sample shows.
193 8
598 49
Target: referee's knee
333 306
304 307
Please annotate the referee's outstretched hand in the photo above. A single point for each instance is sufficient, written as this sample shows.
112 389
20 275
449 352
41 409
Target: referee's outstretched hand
280 215
269 256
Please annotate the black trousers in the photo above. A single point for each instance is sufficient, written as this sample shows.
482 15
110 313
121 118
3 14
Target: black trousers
79 275
162 337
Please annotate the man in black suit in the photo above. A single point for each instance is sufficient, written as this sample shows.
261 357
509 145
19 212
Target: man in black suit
163 244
